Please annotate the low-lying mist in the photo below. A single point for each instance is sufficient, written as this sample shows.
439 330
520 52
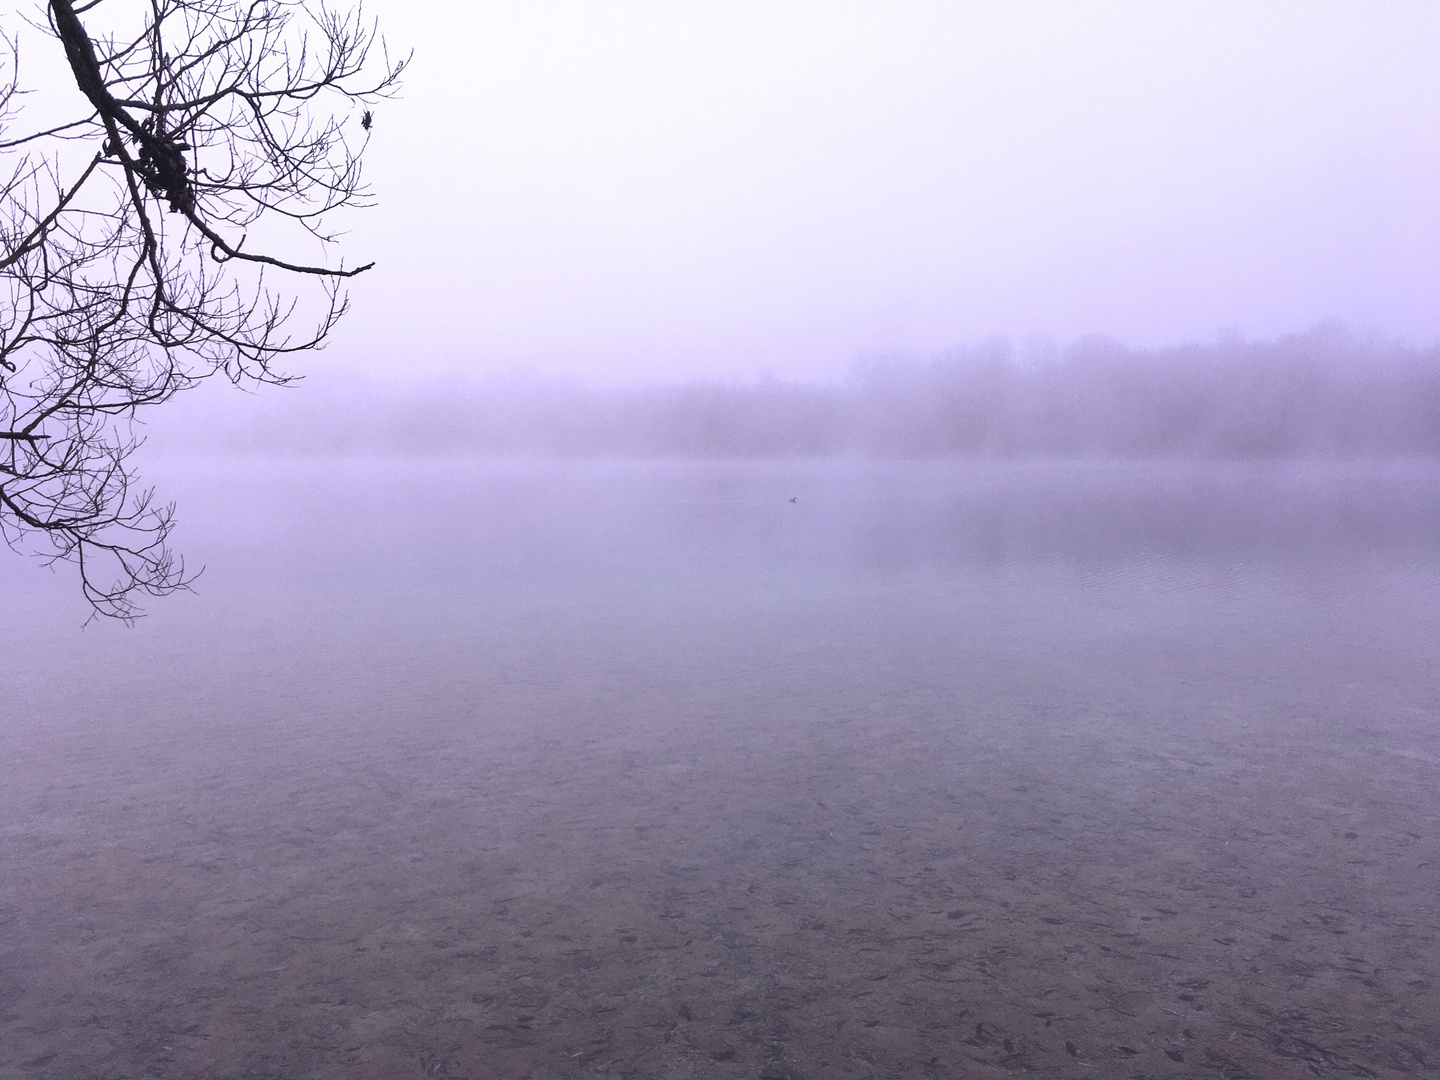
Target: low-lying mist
1325 393
934 751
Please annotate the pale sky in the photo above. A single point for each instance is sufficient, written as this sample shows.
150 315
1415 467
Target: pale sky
625 190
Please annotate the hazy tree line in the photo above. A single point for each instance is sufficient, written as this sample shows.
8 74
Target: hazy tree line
1327 393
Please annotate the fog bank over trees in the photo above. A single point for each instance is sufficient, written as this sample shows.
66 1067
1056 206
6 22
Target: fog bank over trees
1325 393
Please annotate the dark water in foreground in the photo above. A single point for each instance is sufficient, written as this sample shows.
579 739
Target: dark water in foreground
533 770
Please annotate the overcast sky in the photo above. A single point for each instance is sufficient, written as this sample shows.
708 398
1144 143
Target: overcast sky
683 187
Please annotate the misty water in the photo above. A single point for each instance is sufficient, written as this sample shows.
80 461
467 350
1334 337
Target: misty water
788 769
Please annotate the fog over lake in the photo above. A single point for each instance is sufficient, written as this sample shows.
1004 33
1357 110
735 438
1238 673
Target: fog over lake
832 541
807 767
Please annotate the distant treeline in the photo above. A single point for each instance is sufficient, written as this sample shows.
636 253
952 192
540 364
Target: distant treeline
1326 393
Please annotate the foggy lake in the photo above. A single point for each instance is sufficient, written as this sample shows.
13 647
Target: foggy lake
768 769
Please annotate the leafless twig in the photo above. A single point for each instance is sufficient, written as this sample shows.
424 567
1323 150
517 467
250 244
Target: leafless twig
124 274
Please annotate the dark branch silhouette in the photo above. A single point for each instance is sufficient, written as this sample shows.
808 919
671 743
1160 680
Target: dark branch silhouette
125 275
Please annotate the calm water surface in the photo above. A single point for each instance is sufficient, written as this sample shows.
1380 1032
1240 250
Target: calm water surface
753 769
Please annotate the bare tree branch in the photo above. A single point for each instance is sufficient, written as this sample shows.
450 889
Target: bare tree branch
124 276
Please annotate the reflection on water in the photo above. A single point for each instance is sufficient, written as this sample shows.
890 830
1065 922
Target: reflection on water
374 518
523 769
